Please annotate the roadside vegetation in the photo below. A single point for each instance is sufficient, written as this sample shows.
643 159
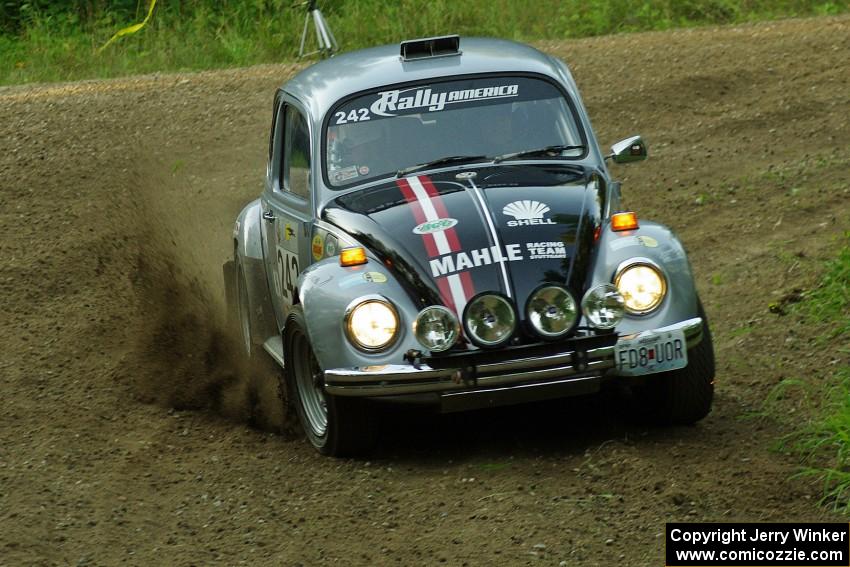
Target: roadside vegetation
824 443
58 40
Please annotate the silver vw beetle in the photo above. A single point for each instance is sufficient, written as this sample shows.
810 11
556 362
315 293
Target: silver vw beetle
439 225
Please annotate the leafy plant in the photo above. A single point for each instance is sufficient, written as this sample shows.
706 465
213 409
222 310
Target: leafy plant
49 40
824 444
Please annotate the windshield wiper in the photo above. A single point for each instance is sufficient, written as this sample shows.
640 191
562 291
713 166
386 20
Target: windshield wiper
448 160
552 151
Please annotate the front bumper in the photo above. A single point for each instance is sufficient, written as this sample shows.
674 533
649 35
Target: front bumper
576 370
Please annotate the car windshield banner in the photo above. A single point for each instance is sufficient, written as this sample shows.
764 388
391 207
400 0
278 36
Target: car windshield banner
438 97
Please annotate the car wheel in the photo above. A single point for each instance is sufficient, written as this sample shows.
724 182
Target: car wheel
684 396
336 426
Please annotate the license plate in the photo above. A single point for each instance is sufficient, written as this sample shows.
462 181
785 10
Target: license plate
650 352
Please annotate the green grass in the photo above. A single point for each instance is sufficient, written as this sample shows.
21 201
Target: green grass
824 444
829 303
60 42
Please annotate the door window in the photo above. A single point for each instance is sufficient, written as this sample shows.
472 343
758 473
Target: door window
296 154
272 168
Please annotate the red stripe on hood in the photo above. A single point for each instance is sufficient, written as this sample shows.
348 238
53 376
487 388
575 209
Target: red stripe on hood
440 207
467 288
418 215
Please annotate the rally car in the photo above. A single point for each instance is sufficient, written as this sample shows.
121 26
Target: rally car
439 225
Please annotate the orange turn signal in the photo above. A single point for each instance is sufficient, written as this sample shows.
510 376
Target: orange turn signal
352 256
624 221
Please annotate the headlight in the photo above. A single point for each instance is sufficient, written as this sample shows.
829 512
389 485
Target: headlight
552 311
371 323
436 328
642 285
489 320
603 306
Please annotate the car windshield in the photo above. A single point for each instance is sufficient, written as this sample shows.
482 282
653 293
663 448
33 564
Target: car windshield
383 133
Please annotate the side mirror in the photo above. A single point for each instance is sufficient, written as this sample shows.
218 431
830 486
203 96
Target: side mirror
628 150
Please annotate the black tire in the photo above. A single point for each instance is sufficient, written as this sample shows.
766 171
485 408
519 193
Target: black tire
350 428
680 397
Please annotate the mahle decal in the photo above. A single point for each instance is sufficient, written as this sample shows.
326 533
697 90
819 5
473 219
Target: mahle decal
438 225
451 263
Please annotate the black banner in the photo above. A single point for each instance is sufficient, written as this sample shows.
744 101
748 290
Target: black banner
445 95
758 545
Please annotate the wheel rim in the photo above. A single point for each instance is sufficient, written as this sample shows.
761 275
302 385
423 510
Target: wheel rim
308 377
244 310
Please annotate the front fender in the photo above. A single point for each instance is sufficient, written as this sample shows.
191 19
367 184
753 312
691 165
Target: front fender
326 289
655 242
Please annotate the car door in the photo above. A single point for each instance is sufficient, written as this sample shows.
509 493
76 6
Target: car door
287 203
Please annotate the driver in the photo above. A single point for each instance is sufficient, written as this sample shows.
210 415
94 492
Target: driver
354 150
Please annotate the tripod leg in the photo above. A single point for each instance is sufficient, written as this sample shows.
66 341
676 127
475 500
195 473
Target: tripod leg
304 35
323 31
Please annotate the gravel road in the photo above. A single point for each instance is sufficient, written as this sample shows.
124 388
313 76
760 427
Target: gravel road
124 431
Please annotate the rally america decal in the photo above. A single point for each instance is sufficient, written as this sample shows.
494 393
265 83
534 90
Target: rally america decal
419 99
425 99
456 289
442 96
422 99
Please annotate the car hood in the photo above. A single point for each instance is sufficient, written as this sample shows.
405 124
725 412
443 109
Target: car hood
506 229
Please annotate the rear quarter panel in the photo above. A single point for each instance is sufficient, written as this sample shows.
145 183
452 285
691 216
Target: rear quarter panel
248 254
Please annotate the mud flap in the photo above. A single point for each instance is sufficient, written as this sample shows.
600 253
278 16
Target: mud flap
230 293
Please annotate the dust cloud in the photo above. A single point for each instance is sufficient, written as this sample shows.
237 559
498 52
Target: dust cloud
186 351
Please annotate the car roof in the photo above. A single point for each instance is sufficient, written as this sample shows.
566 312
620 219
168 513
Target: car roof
322 85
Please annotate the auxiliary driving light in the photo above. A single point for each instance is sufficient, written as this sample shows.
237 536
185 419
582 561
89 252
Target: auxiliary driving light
489 320
603 306
436 328
552 311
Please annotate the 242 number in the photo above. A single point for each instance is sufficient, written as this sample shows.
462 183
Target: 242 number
357 115
288 272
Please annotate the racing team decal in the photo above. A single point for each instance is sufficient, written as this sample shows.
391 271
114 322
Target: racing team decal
546 250
428 209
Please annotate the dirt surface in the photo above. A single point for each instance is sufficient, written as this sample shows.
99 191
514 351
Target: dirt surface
123 432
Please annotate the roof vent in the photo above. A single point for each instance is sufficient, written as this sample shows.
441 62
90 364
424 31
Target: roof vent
442 46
